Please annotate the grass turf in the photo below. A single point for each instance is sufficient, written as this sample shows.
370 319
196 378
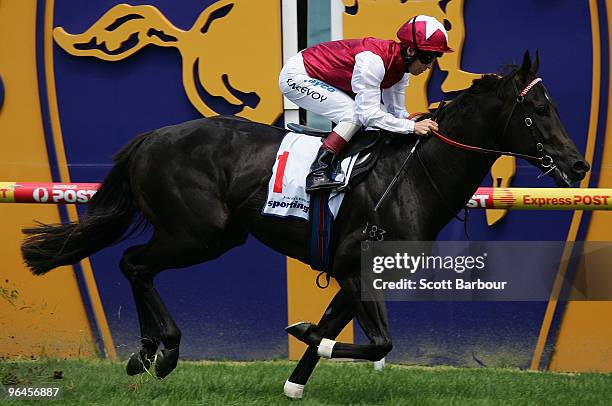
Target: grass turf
260 383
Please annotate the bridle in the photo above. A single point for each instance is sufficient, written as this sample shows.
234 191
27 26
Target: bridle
544 160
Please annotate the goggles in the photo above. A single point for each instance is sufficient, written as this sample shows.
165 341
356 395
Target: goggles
427 57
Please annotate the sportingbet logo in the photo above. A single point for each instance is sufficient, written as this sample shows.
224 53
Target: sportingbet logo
288 205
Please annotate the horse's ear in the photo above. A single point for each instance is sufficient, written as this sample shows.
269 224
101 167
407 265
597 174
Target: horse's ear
536 63
526 66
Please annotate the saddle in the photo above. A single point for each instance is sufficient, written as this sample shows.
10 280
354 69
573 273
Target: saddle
364 143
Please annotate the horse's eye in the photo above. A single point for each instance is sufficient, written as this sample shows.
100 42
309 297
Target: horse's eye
542 109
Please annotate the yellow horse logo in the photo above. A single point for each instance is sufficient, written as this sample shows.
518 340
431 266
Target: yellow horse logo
382 18
227 53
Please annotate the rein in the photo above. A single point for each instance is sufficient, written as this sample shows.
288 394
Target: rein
483 150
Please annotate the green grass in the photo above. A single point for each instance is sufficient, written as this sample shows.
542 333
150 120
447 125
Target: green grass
261 383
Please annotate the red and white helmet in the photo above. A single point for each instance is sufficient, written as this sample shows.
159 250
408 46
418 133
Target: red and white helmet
424 33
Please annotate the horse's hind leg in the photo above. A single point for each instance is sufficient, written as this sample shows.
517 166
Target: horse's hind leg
156 324
337 315
140 264
149 330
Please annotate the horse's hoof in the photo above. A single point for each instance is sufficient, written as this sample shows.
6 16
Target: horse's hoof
165 362
137 364
293 390
305 332
299 329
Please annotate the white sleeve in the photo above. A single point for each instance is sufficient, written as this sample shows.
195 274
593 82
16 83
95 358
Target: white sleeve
394 98
368 74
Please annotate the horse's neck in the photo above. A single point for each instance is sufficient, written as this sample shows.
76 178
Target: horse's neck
456 173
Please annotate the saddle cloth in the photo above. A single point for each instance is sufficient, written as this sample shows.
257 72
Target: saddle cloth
287 196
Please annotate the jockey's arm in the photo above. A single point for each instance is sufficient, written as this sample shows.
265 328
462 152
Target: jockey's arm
394 98
368 74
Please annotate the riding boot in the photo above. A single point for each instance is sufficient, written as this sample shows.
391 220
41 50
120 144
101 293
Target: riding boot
326 163
319 179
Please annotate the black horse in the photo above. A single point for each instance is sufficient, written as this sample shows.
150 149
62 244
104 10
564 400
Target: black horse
202 184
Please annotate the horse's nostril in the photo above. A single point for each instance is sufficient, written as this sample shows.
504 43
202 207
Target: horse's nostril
581 166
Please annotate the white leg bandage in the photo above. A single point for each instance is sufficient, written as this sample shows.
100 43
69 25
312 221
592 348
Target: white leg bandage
326 346
293 390
346 130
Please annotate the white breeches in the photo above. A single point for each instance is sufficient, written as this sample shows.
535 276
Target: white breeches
317 96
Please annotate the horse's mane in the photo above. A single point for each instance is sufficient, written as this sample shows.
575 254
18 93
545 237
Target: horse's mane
466 102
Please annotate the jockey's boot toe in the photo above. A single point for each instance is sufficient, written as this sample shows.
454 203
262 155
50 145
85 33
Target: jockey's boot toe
318 182
319 177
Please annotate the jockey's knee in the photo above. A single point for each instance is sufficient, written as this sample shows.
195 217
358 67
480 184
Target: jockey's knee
346 129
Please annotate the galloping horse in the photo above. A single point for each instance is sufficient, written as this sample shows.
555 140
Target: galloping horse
202 184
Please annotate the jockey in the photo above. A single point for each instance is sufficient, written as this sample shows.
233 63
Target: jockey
343 81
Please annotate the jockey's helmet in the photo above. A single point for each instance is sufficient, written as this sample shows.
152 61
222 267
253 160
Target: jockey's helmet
424 33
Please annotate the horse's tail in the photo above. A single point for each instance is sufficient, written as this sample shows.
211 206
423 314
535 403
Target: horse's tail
109 215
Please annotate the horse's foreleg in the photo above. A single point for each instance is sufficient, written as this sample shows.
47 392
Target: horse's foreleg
370 312
337 315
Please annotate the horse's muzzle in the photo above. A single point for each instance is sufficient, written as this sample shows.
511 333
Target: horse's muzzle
580 168
575 173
